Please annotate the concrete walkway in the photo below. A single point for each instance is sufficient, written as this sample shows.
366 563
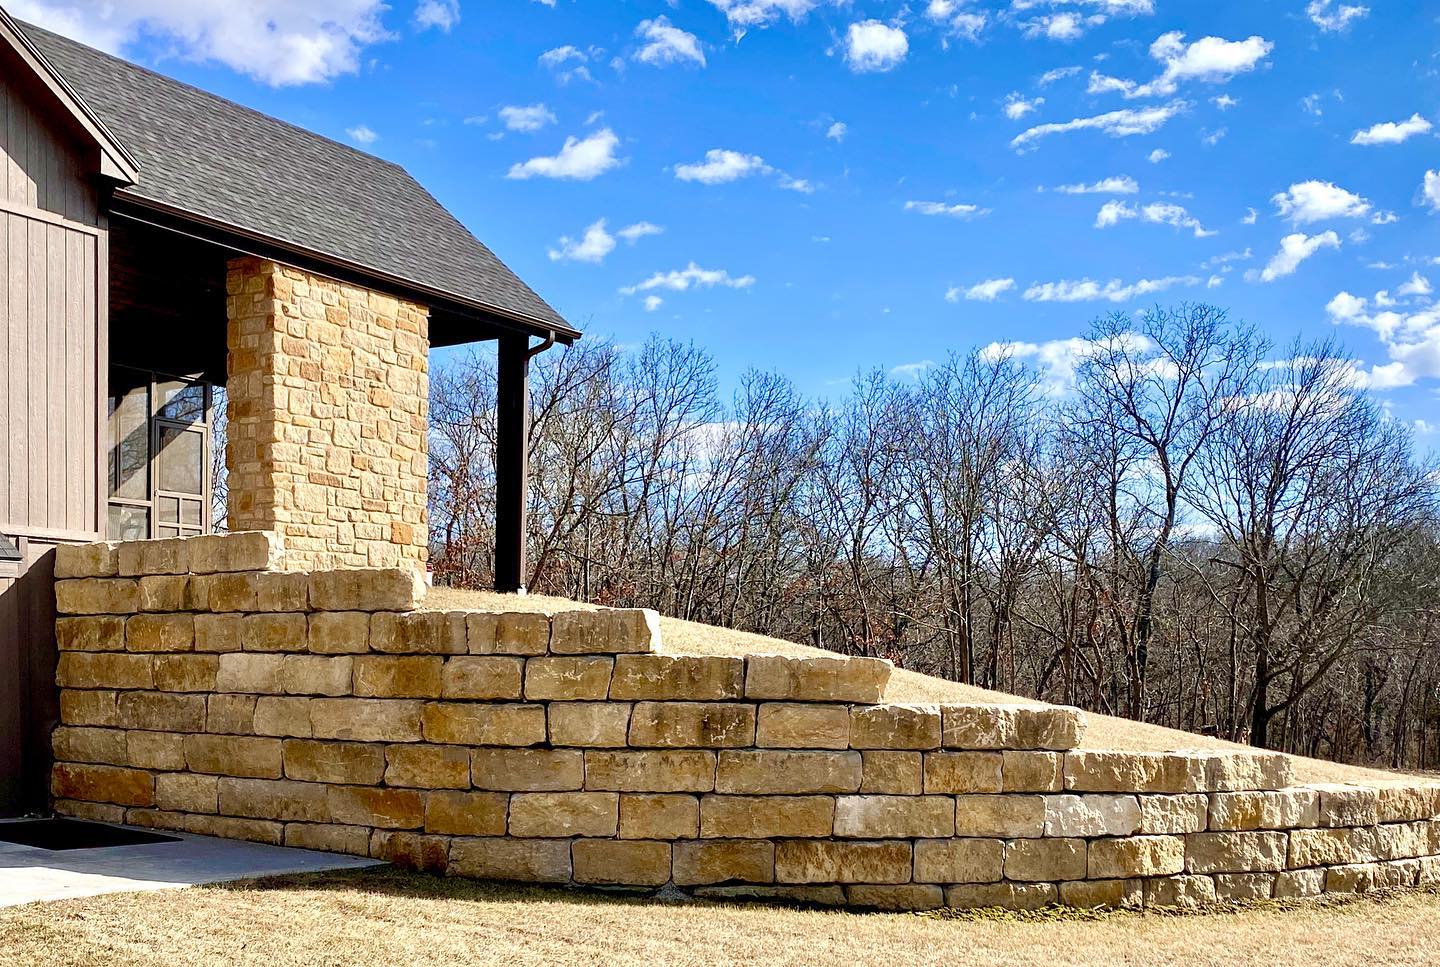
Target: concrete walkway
29 874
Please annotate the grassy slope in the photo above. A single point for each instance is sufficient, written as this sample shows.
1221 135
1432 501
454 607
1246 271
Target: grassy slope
389 917
1104 732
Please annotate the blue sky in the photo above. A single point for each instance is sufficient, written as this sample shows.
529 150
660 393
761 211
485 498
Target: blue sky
818 187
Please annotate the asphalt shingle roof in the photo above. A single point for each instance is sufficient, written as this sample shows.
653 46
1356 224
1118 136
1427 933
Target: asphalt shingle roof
210 157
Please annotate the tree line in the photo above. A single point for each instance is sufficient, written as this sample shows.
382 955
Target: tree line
1180 523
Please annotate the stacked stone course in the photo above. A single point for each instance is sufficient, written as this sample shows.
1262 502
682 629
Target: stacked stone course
205 688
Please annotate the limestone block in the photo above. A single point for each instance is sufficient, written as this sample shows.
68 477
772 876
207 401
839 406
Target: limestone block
589 724
660 770
909 896
465 724
275 631
507 633
186 793
342 762
486 678
97 596
1429 873
339 632
899 817
235 551
316 674
1032 772
1235 852
1103 894
233 714
251 591
1401 803
567 678
1005 896
1332 847
787 678
80 744
564 814
233 755
765 817
1401 841
160 632
1282 809
1187 892
419 632
723 861
364 719
220 632
788 725
254 673
659 816
690 725
1299 883
162 711
1106 771
98 783
91 633
606 632
100 708
962 772
286 717
1001 817
186 673
427 767
777 772
890 773
621 862
169 556
1348 805
529 861
829 861
711 678
466 813
958 860
1356 878
86 561
386 676
527 770
1071 815
1186 813
168 592
379 807
1244 887
273 799
1015 727
83 669
328 837
155 750
1031 860
1245 771
1134 856
366 589
896 727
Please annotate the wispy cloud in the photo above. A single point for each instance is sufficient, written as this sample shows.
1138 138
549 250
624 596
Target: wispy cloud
596 243
953 210
987 291
1119 185
1392 132
1123 123
690 277
666 43
1211 60
1089 290
362 134
526 117
1294 249
1330 16
1155 213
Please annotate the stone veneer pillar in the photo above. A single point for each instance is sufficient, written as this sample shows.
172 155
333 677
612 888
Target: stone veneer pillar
328 403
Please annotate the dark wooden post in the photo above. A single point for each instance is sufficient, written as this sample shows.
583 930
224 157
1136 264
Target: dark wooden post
512 470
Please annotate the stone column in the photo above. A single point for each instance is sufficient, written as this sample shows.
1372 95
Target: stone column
329 411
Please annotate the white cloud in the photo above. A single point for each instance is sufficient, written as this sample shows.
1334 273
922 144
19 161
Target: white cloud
872 46
633 233
1057 359
722 165
653 302
1117 124
579 160
1392 132
361 134
911 370
957 20
692 276
1224 102
1417 287
1430 190
1250 217
1017 106
1411 338
1294 249
1156 213
1157 156
527 117
667 44
1226 258
1121 185
1318 201
796 184
596 243
1056 74
276 42
837 131
1088 290
987 291
761 13
569 62
941 208
1329 17
440 14
1066 26
1211 60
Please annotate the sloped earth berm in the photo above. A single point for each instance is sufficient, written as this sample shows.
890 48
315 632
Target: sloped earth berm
206 688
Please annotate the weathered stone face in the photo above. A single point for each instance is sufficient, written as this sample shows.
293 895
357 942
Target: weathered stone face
958 860
892 773
527 770
897 817
895 727
678 677
466 813
1091 815
564 814
766 817
962 772
789 725
1136 856
787 679
1001 817
1235 852
826 861
724 861
778 772
1045 859
692 725
659 816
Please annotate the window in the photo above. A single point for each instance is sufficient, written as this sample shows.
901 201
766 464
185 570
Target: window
160 446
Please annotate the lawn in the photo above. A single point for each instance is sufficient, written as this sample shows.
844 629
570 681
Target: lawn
384 916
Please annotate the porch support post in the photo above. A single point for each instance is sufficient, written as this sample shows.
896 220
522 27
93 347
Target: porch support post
512 469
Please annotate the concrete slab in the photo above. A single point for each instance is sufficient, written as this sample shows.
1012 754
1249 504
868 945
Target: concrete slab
29 874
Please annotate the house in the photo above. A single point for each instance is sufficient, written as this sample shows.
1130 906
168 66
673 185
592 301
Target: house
159 243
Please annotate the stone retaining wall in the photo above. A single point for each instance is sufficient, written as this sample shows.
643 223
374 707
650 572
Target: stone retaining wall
204 688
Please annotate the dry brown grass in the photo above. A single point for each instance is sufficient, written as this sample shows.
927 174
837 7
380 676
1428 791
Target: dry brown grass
1104 732
388 917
